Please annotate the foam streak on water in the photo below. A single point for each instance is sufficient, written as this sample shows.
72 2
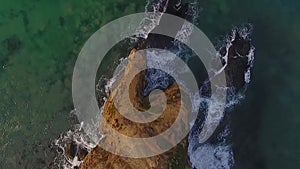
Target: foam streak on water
154 10
187 28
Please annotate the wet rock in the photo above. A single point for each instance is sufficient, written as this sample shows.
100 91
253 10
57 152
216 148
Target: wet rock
239 61
74 150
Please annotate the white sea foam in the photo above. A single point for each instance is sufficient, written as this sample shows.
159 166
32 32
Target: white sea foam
77 136
187 28
154 11
209 156
250 63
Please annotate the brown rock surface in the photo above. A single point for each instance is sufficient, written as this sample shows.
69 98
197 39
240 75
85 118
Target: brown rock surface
177 157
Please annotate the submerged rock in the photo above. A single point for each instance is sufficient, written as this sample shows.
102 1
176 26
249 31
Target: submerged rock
12 44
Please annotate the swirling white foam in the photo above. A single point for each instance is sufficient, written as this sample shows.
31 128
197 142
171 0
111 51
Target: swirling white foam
209 156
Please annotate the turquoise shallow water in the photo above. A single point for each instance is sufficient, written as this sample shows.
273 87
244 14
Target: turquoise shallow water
40 40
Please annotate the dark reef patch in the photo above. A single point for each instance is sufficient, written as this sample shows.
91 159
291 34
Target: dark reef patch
12 44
